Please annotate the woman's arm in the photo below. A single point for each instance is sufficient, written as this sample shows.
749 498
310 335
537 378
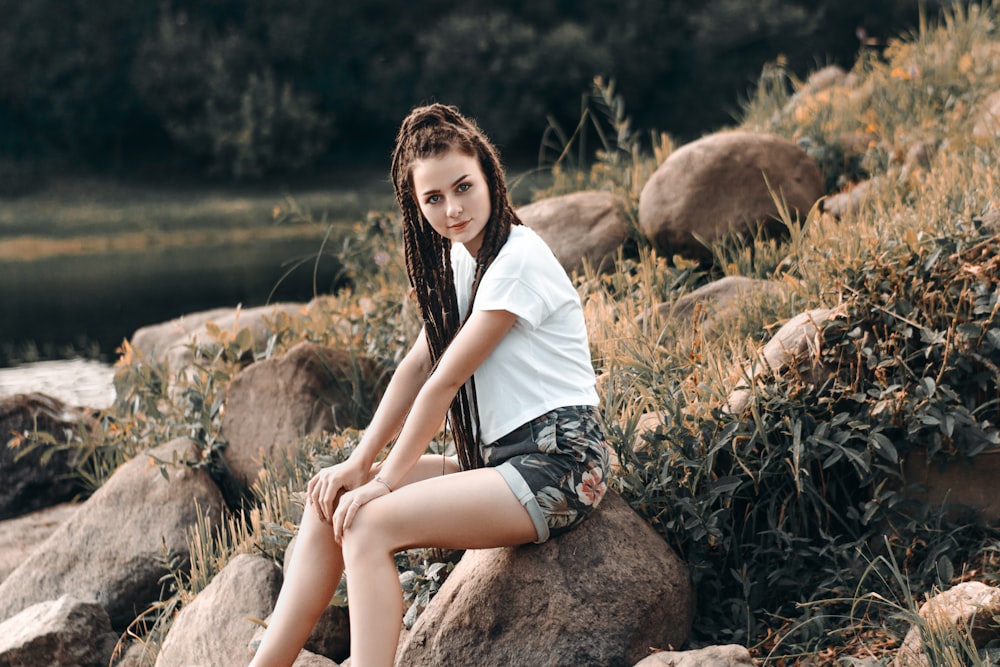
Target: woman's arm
482 332
411 373
407 380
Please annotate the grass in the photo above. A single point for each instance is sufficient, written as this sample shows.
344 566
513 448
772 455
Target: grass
791 517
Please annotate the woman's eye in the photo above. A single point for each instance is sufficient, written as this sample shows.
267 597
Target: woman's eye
433 199
463 187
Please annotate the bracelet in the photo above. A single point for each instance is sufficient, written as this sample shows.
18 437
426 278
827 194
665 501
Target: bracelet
383 483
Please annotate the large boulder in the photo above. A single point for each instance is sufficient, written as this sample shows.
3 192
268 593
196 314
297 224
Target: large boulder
65 632
112 550
173 342
308 390
722 184
580 227
21 536
37 455
216 627
602 594
969 611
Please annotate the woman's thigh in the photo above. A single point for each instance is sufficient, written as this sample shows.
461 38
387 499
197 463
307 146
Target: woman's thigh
428 466
472 509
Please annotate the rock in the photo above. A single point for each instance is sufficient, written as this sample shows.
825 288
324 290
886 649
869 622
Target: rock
307 659
308 390
825 77
987 123
847 203
730 655
956 483
647 422
989 219
21 536
330 637
966 610
792 346
601 594
716 186
918 158
112 549
214 629
38 471
582 226
65 632
173 342
138 654
714 301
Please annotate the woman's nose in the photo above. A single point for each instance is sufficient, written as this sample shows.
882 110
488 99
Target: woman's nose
454 209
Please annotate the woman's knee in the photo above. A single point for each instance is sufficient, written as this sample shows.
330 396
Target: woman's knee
368 535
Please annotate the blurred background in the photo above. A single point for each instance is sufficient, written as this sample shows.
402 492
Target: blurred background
162 158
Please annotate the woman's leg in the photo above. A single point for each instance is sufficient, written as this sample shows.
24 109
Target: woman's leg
468 510
313 575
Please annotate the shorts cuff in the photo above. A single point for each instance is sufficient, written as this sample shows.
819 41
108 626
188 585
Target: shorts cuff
524 495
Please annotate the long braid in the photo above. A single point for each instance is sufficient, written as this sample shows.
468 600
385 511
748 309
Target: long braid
429 132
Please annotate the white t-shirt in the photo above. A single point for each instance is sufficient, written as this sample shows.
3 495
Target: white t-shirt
544 362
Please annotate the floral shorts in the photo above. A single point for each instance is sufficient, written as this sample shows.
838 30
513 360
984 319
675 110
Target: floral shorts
556 465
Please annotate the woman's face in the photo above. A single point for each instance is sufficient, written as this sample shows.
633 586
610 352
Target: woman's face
453 195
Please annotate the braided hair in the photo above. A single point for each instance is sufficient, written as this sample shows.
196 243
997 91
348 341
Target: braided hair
428 132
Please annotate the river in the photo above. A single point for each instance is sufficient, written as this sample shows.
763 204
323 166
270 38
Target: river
80 382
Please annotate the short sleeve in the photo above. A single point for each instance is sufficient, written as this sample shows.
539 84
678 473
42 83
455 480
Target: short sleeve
513 295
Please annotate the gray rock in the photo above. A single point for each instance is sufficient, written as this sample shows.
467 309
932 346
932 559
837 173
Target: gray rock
173 341
848 203
966 611
21 536
601 594
214 629
330 637
65 632
112 549
308 390
796 343
582 226
307 659
719 185
730 655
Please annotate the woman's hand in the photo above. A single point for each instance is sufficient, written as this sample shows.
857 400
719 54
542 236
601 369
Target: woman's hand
329 484
351 502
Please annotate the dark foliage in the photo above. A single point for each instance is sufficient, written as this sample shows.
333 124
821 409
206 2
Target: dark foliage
249 87
793 502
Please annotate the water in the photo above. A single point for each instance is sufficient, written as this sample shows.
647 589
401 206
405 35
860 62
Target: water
90 303
80 382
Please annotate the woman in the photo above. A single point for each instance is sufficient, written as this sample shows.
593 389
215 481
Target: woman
503 354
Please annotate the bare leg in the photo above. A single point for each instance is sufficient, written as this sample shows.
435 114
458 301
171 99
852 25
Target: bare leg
470 510
313 575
